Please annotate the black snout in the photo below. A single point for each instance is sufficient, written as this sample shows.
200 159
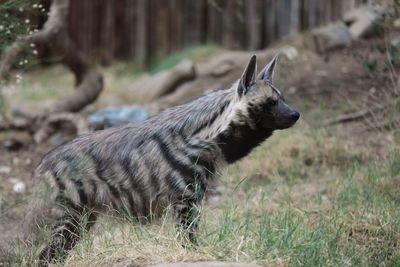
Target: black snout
294 115
284 116
287 118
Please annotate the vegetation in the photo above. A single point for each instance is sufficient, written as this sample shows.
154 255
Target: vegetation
302 199
193 53
11 26
309 196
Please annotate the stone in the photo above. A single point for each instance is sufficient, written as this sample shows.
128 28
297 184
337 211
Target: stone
292 90
12 144
15 140
115 116
222 69
395 43
396 23
290 52
19 187
331 37
361 21
5 169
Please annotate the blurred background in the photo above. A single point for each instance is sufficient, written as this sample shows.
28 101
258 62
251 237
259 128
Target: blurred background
143 31
324 193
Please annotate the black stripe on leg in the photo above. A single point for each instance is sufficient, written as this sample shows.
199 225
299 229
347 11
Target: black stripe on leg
136 185
74 168
102 171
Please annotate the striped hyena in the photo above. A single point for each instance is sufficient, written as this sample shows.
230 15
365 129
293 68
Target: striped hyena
168 160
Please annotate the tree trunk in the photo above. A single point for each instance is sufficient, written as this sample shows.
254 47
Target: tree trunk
88 80
107 36
270 21
142 29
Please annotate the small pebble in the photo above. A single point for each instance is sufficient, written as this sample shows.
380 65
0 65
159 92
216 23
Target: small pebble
19 187
290 52
396 23
292 90
5 169
15 161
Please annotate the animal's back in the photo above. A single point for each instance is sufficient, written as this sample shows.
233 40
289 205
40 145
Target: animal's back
136 167
125 169
171 158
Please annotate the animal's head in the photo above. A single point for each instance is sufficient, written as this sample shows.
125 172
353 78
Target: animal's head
266 106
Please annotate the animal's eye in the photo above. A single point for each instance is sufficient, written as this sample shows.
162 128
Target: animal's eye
273 102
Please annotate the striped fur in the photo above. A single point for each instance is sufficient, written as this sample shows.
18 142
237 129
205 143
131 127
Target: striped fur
169 159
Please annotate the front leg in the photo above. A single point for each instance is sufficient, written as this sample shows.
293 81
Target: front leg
187 219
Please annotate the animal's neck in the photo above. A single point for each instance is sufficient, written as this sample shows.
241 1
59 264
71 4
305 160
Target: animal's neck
238 140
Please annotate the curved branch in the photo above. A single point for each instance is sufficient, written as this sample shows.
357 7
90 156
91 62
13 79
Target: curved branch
53 121
88 80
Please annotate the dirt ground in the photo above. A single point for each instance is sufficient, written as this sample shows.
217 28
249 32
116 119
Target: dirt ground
320 87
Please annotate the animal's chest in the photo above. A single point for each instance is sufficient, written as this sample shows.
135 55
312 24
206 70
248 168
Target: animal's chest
238 141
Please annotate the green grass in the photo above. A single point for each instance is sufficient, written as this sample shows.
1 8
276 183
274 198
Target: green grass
277 208
303 198
194 53
50 83
47 84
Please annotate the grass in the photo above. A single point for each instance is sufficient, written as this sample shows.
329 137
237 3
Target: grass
301 199
40 85
194 53
46 84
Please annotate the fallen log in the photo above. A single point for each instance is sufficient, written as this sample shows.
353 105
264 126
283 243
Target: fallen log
218 73
155 86
52 122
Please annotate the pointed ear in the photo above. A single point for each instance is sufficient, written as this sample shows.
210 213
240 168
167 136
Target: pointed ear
248 76
267 73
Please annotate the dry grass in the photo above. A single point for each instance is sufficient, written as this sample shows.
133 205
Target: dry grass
301 199
306 197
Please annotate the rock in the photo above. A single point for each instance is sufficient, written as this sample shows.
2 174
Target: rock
15 140
357 23
292 90
396 23
206 264
28 161
115 116
331 37
12 144
55 138
290 52
15 161
19 187
5 169
222 69
361 21
395 43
